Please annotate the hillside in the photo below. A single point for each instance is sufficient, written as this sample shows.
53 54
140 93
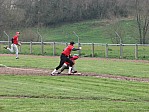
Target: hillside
96 31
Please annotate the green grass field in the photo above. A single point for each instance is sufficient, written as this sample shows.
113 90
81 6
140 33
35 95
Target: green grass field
74 93
71 94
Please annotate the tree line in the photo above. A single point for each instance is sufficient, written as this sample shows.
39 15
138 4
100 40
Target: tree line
28 13
37 13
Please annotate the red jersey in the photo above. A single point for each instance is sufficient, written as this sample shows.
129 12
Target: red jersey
15 39
68 50
73 58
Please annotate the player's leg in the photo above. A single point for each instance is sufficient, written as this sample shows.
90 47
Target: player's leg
16 50
73 69
12 48
62 61
63 68
63 58
70 66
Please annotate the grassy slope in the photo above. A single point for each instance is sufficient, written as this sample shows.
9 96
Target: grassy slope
98 31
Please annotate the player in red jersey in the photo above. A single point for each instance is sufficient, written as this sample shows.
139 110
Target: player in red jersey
66 64
65 57
14 44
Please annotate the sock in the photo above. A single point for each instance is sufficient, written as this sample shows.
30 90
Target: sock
69 71
54 71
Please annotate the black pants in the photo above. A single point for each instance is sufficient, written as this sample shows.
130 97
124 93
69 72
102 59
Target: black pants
64 59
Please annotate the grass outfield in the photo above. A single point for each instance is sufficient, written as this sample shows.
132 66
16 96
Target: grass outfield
74 93
71 94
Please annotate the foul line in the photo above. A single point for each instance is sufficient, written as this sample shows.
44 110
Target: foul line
2 65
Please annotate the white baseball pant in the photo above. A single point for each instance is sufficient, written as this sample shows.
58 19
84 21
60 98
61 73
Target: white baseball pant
14 48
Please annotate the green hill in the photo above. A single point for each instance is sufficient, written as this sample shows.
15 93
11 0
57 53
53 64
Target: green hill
96 31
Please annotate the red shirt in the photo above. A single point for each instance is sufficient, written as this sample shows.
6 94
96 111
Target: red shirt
68 50
72 59
15 39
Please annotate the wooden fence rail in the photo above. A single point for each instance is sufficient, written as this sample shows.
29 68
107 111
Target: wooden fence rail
54 44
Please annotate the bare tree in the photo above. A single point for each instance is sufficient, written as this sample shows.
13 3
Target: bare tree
142 16
1 15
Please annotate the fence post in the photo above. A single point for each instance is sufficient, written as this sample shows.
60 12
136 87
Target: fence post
42 49
20 48
9 43
54 49
136 51
106 50
121 51
92 49
31 47
79 51
66 44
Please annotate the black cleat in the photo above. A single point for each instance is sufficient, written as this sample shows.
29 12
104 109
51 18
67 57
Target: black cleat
74 71
58 73
5 47
52 74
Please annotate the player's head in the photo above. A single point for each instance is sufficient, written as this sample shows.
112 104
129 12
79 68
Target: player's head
75 56
72 43
17 33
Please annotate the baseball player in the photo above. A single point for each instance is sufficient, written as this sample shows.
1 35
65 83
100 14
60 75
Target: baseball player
65 57
14 45
66 64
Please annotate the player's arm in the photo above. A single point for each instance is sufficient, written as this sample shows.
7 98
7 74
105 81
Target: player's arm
75 49
19 44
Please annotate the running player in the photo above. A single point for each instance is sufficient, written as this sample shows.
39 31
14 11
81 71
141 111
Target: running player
65 57
14 45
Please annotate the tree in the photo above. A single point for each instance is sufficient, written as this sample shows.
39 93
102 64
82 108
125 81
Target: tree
1 16
142 17
32 13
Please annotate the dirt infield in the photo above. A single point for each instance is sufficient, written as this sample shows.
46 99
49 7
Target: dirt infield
46 72
23 71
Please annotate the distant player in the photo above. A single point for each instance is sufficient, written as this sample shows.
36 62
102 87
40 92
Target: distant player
14 44
65 57
66 64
